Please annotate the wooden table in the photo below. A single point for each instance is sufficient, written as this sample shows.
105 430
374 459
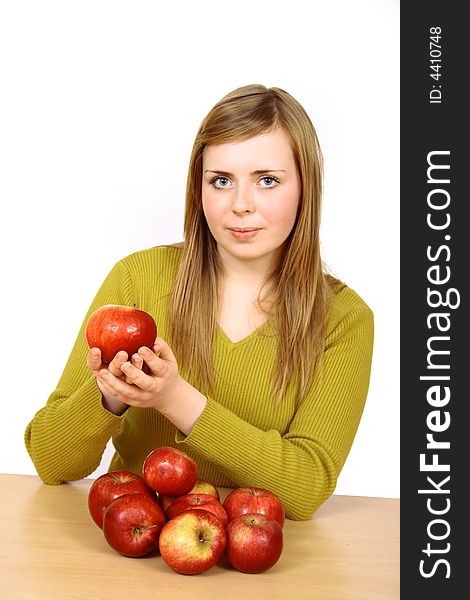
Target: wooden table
51 549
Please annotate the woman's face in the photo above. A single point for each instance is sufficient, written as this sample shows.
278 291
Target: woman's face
250 196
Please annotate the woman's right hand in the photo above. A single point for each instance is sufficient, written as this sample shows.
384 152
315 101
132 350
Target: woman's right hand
95 364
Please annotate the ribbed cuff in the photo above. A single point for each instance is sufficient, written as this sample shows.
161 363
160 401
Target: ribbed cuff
94 417
217 434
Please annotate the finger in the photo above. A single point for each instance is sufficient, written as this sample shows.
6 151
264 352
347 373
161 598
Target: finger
152 361
116 386
115 365
104 380
94 359
136 376
137 361
163 350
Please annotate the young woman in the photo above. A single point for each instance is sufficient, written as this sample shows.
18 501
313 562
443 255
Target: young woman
261 368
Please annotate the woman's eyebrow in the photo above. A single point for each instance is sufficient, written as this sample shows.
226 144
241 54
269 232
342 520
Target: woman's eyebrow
257 172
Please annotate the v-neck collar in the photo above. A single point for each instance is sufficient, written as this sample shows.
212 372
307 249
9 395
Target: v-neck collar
247 339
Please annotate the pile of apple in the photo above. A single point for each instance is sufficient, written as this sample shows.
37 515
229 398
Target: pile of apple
171 510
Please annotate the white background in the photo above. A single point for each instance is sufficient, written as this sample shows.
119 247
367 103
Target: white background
99 106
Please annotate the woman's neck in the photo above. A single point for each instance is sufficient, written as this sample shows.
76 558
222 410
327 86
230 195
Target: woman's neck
245 301
251 274
245 287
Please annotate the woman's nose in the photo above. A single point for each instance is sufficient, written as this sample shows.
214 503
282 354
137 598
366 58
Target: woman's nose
243 201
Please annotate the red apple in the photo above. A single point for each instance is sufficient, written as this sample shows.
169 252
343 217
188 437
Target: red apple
169 471
254 543
165 501
192 542
111 485
115 327
244 500
204 487
197 502
132 524
200 487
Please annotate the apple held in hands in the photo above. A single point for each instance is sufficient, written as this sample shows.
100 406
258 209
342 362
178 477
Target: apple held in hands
111 485
249 499
197 502
115 327
132 524
192 542
254 543
169 471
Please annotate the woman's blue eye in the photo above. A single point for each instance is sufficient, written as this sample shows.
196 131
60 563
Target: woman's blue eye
270 181
220 182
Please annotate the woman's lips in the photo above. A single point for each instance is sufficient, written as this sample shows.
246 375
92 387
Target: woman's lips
244 233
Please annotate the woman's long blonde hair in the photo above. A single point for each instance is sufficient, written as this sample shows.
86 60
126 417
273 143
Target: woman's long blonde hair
300 287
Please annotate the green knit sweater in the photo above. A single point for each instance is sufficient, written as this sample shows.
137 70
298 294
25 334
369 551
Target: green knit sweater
243 437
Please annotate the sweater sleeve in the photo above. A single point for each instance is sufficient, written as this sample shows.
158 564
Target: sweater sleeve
67 437
301 466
